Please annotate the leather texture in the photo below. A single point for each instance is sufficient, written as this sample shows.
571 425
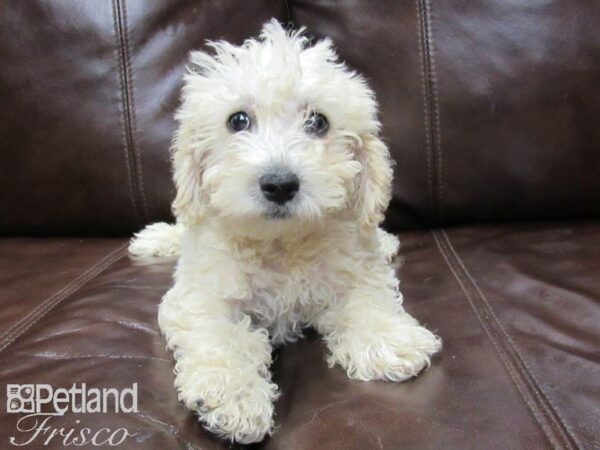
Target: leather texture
491 112
517 307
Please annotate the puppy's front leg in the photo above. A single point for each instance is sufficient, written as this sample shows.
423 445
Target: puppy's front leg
221 363
370 335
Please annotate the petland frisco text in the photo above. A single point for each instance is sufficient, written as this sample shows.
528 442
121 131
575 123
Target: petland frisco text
43 404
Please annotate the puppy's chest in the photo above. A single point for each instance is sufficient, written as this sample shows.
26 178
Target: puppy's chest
297 287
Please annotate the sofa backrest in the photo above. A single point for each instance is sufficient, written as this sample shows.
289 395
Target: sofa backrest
491 109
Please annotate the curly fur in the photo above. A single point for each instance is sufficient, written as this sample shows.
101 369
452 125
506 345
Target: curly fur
247 280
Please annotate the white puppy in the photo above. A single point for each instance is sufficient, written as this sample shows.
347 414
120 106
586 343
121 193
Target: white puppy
282 181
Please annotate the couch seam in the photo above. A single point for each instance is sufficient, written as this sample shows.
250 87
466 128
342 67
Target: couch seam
287 12
423 70
432 123
133 114
539 410
436 111
129 121
538 391
503 356
23 325
123 114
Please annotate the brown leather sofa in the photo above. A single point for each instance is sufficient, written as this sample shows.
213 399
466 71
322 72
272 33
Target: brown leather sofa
492 112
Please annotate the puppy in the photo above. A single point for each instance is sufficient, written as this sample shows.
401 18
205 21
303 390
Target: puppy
282 180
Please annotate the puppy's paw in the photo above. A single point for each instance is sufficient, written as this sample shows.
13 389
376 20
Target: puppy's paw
394 355
157 239
236 407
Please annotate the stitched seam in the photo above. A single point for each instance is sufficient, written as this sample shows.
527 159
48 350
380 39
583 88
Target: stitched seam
530 386
424 86
521 389
59 293
133 129
551 409
51 302
436 112
287 12
125 357
123 120
533 387
128 120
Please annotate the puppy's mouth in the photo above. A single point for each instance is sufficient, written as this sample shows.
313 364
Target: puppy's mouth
277 212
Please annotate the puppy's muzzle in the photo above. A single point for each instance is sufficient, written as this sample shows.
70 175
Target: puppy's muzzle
279 188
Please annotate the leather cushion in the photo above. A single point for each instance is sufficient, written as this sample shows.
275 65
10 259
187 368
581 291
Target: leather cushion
490 108
516 306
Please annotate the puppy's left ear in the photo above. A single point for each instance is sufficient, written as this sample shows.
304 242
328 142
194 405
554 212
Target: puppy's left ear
374 190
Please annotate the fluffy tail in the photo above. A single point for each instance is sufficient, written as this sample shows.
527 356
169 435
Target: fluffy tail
158 239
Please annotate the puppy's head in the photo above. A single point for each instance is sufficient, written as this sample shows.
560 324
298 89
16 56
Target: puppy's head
276 134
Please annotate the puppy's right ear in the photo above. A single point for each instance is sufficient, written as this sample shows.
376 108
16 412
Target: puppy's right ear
192 142
188 165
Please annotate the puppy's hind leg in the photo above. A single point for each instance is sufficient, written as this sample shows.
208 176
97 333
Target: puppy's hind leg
157 239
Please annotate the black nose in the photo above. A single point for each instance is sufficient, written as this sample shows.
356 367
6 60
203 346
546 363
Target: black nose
279 187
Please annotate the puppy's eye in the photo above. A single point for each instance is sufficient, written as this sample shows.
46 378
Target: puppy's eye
239 121
316 124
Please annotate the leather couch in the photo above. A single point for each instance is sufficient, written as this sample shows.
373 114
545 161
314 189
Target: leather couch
492 112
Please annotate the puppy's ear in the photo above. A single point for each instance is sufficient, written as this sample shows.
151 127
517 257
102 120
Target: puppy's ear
192 143
374 190
188 165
